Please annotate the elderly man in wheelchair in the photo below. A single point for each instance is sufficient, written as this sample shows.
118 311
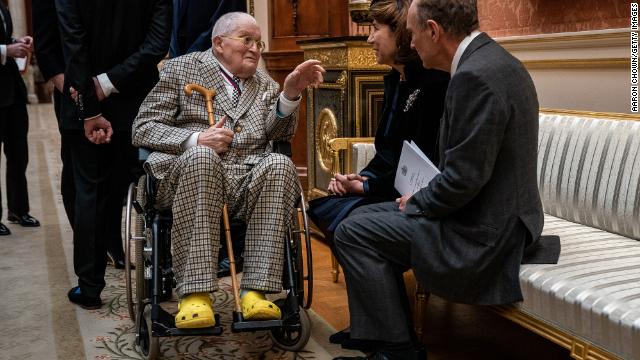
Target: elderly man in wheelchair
202 164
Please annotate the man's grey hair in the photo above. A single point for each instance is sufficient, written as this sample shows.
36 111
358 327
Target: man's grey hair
458 18
228 23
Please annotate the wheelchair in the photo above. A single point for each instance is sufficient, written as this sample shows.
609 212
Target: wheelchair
153 279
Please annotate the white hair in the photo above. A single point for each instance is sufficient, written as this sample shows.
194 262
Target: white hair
228 23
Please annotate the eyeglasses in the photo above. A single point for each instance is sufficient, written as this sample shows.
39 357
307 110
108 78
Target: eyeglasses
248 41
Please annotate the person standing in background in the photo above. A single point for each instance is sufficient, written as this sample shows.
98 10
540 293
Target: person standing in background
48 49
14 123
111 51
193 21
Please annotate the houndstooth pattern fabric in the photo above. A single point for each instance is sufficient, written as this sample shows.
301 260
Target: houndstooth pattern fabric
259 187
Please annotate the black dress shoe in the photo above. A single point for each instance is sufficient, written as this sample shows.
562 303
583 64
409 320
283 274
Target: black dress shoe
75 296
4 230
343 337
117 260
24 220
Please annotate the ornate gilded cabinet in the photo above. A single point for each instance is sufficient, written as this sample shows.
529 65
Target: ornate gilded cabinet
347 104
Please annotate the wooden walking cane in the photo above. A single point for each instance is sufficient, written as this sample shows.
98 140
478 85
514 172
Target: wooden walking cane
208 95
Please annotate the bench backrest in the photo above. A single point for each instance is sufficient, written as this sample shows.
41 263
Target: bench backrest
589 170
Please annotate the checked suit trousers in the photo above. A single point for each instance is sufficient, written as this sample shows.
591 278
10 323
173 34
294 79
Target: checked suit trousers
196 187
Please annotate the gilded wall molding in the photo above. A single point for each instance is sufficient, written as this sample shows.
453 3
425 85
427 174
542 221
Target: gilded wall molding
581 39
578 63
252 9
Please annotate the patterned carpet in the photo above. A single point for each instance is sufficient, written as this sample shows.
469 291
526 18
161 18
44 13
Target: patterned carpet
115 338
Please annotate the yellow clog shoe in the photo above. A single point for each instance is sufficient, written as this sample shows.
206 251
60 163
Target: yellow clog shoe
256 307
195 311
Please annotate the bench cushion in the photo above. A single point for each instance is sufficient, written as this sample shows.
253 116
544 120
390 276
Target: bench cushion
589 171
593 291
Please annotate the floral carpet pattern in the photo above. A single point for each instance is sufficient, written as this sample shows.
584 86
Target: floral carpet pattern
118 343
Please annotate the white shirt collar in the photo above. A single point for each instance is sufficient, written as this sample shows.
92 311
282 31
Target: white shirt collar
241 82
461 48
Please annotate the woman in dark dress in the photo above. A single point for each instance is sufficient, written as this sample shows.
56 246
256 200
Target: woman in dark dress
413 104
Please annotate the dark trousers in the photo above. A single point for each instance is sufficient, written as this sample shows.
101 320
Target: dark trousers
14 125
101 174
373 246
67 187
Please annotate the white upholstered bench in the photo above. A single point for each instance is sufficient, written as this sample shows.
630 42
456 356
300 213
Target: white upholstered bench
589 180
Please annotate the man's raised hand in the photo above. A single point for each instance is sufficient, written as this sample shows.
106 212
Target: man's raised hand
309 73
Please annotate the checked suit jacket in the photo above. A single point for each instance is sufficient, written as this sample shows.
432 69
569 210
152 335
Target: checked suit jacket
168 116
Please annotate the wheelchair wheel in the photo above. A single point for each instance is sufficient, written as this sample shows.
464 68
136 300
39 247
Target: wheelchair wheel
138 240
289 338
148 344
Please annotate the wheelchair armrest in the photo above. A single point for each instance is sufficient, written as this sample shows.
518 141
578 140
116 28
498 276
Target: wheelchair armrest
282 147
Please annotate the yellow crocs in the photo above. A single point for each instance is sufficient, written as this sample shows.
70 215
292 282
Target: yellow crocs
255 307
195 311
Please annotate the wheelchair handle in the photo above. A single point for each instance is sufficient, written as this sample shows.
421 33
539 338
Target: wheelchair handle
208 95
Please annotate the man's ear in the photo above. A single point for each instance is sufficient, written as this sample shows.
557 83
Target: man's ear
217 44
433 30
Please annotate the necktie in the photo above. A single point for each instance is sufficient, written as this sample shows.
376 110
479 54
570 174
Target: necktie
236 91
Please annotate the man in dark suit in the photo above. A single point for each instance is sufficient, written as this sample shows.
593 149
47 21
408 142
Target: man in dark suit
111 51
14 122
465 232
51 62
48 48
193 21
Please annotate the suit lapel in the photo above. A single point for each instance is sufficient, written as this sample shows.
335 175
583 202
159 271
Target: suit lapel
212 79
480 41
248 97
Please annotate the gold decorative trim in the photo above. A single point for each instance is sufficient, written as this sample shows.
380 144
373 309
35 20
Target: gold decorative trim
252 10
371 104
577 63
330 58
351 55
345 144
357 91
592 114
311 156
363 58
326 130
316 193
580 348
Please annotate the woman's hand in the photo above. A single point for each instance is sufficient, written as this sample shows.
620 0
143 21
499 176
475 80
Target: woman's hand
347 184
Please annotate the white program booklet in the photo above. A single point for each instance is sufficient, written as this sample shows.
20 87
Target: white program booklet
415 170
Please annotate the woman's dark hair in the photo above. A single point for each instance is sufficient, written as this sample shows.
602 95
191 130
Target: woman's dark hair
393 13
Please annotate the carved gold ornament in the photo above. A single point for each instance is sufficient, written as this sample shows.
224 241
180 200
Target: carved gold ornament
326 130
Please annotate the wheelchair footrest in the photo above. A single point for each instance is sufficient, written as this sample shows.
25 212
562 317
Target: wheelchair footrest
240 325
163 324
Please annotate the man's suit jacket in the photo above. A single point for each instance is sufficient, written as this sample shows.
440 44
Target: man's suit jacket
124 39
168 117
46 33
485 203
12 87
193 22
